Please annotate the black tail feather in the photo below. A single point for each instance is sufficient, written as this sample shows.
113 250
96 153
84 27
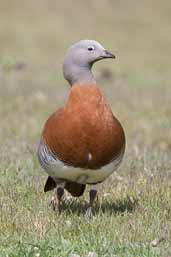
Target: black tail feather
74 188
50 184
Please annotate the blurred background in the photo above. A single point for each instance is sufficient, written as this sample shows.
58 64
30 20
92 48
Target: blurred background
34 37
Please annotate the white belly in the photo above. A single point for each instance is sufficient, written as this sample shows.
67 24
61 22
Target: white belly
58 170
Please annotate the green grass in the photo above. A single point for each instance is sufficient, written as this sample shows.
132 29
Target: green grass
65 248
134 206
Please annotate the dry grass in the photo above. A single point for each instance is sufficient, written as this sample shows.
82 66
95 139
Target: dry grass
134 206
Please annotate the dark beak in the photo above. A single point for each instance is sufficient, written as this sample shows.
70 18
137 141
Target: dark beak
107 54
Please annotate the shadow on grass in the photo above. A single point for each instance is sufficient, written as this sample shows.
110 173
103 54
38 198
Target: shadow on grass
127 204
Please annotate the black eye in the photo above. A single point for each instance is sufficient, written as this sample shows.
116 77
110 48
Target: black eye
90 48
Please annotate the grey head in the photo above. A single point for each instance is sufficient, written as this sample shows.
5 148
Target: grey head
79 60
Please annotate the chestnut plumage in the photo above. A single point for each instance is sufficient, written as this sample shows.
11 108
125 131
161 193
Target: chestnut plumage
83 142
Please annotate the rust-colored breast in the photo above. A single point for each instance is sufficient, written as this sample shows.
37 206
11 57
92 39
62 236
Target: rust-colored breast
84 133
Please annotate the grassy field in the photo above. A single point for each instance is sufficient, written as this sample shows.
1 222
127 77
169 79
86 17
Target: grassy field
133 214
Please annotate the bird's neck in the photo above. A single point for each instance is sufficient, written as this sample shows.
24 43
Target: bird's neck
80 75
84 76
